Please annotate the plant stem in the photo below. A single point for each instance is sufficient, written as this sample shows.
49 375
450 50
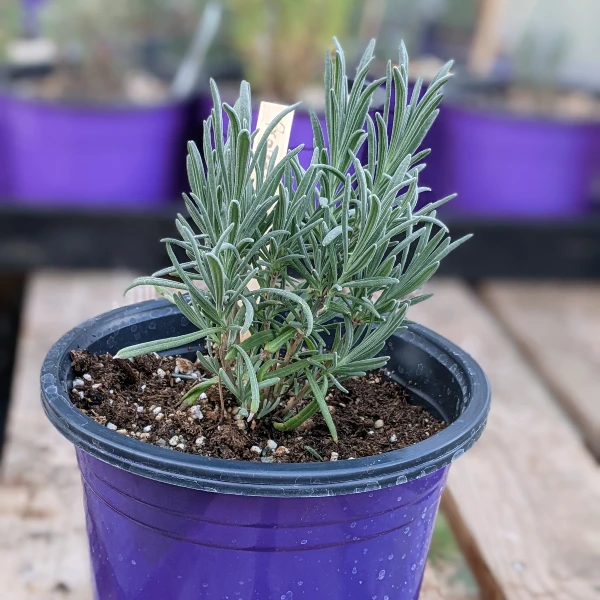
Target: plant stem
222 351
221 400
291 352
293 403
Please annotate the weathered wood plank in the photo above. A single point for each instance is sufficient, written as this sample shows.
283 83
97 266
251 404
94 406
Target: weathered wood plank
525 501
43 547
558 328
431 588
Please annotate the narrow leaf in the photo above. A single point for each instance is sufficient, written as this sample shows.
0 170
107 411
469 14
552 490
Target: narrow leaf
165 344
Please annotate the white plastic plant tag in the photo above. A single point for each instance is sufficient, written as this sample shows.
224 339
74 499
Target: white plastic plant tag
280 136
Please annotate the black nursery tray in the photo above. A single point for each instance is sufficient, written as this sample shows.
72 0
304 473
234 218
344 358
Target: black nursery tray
75 238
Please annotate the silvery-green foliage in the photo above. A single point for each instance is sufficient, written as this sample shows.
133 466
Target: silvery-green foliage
338 249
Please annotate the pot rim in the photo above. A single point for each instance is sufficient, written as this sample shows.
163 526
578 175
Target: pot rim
457 98
252 478
459 106
110 107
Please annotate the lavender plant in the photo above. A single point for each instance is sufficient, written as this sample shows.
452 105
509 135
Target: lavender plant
338 249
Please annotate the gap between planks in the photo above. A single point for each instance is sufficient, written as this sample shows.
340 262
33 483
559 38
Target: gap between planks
558 328
525 501
43 543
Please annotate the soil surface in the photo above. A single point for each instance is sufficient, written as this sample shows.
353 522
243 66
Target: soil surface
140 398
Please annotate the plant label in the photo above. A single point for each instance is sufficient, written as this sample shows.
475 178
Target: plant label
280 136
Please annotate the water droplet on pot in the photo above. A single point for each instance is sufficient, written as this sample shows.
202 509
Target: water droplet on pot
354 570
390 557
413 567
352 525
401 479
304 542
381 574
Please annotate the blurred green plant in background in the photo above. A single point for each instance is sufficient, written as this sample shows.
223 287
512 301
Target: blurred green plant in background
536 72
10 23
115 49
536 83
455 26
281 42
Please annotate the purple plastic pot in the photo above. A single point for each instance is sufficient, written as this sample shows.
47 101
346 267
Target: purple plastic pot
595 159
163 524
5 155
505 165
302 134
92 155
153 540
431 176
203 107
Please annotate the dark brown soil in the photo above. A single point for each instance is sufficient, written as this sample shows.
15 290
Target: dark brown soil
141 398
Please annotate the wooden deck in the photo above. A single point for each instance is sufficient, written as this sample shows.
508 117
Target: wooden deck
524 503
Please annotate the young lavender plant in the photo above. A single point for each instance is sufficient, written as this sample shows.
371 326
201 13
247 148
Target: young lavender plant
337 249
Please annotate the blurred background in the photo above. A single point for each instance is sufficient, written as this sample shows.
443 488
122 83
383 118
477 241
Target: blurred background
98 97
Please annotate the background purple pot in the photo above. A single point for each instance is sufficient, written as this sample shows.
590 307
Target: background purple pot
302 134
595 158
163 524
505 165
94 155
5 154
